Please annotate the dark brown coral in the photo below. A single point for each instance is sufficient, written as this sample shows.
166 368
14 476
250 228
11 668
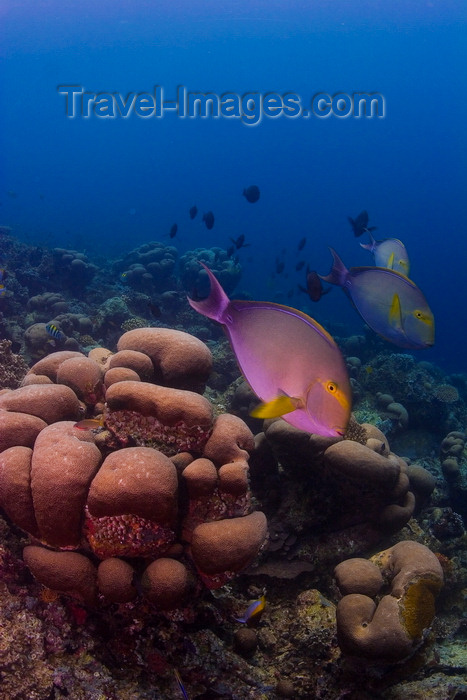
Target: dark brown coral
12 367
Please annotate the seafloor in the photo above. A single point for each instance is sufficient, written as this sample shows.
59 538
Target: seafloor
322 506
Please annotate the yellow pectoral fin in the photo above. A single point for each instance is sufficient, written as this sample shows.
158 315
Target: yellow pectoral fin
390 264
395 313
277 407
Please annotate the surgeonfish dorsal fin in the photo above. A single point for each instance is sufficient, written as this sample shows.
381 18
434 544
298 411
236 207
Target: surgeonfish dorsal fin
395 313
277 407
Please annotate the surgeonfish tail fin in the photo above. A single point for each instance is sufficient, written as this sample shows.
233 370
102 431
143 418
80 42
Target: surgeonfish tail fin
371 245
339 272
277 407
216 304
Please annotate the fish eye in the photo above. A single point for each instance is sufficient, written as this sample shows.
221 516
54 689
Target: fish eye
331 387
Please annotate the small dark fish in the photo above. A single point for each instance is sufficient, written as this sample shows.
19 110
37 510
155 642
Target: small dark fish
180 684
208 219
279 266
240 242
193 211
251 193
360 224
173 231
314 286
154 309
299 265
54 332
301 243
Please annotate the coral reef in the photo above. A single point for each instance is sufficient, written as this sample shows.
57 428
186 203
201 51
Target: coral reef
420 396
119 599
149 268
193 277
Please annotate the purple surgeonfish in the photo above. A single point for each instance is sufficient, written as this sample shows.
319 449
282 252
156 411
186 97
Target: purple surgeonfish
289 360
389 303
390 253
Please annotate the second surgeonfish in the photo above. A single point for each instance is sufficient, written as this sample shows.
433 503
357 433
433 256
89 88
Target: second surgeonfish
389 303
390 253
289 360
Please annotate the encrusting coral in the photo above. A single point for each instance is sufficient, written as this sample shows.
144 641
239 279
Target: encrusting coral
116 487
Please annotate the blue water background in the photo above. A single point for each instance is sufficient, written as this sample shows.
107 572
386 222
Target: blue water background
106 186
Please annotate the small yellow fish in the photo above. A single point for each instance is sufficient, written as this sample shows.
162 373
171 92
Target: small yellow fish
90 424
253 611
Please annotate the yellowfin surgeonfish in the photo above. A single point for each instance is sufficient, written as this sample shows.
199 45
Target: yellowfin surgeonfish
391 304
390 253
289 360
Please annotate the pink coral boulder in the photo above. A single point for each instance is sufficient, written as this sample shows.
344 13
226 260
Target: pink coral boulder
51 402
19 429
82 375
15 488
62 469
137 480
49 365
179 359
228 545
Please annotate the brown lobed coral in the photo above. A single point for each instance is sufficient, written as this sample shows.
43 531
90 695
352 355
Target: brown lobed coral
392 627
12 367
114 485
